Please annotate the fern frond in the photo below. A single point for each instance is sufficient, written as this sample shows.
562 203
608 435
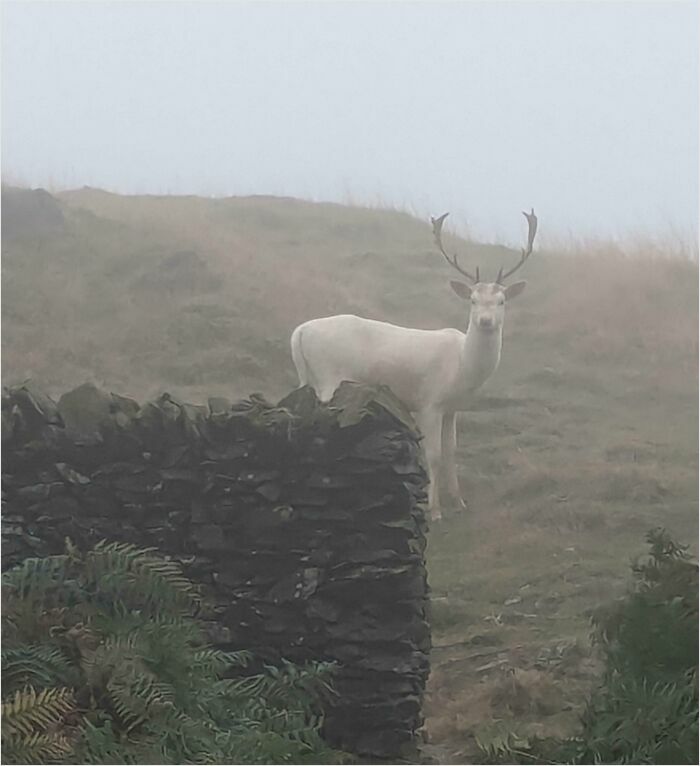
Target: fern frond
36 748
288 685
175 627
213 662
116 654
27 710
102 744
34 577
37 665
135 574
138 696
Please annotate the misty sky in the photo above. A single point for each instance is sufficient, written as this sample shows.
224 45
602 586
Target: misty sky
588 111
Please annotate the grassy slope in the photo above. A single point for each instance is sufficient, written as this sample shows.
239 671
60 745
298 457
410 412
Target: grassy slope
586 437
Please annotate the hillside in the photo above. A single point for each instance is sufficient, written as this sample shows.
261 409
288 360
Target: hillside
585 438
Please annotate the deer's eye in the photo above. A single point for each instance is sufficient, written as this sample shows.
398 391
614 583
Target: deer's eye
501 301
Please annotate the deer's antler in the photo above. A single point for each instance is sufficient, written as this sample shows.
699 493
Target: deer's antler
531 231
437 233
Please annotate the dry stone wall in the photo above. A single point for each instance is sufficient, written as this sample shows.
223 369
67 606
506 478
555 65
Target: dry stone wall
302 522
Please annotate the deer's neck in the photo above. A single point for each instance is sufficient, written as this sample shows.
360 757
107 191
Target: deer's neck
480 355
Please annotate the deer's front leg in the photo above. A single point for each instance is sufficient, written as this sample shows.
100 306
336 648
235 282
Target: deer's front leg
449 450
430 424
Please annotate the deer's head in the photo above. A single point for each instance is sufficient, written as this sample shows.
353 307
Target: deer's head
487 299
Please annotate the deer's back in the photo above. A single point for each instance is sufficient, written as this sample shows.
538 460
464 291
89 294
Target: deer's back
415 364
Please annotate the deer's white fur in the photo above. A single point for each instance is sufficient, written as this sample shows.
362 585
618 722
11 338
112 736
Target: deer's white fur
431 371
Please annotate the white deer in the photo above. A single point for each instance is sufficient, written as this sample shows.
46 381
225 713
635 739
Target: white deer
432 371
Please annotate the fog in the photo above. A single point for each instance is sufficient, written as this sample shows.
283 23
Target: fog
586 111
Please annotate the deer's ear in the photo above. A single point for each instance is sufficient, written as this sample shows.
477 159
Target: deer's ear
464 291
512 291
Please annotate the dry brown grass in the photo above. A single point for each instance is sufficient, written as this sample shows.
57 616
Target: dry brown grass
523 698
526 692
621 302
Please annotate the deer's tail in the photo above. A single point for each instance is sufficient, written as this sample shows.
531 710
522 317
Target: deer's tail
299 359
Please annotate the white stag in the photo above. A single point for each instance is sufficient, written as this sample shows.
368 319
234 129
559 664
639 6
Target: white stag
431 371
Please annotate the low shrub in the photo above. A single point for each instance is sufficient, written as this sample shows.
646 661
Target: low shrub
646 709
